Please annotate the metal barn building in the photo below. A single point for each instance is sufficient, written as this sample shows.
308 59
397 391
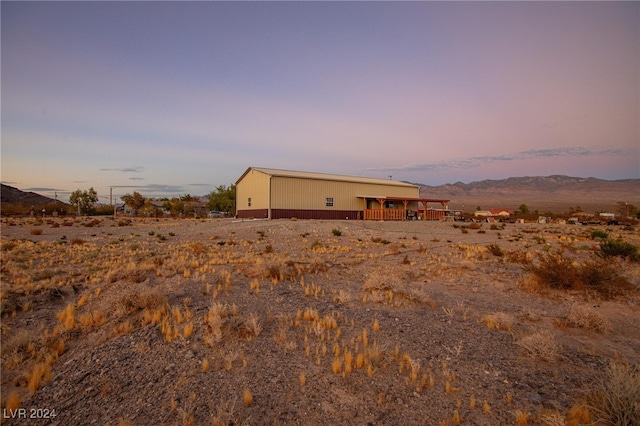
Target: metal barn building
277 194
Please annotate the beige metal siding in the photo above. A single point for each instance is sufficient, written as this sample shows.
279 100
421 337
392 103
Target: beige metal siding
255 185
296 193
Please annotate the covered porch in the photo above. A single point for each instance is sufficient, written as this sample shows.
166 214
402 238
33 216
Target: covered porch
399 208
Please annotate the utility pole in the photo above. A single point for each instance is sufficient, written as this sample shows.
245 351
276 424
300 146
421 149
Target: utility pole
111 202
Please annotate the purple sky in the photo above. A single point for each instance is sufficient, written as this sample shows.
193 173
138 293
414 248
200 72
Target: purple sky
169 98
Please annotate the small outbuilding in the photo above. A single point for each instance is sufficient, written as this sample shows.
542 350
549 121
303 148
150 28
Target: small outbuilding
276 194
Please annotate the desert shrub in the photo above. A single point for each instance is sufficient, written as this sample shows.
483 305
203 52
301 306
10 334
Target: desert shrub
336 232
77 241
8 245
92 223
616 398
619 248
145 299
474 225
35 231
273 272
603 277
540 345
136 275
586 317
198 247
386 285
495 250
598 233
556 271
19 341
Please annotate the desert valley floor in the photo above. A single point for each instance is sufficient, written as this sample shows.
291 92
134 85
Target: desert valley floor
226 322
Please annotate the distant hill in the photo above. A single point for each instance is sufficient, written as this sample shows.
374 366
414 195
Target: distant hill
555 193
11 195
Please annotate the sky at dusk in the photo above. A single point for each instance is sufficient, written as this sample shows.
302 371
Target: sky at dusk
170 98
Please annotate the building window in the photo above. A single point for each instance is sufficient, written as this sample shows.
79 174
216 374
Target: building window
329 202
249 202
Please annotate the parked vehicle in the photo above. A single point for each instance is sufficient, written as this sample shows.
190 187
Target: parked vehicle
215 214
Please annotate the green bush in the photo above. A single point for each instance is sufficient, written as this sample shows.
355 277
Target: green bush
619 248
336 232
598 233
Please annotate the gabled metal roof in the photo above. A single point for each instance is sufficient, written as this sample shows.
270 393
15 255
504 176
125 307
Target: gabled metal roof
326 176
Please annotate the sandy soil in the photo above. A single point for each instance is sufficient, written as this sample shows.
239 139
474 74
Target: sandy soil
284 322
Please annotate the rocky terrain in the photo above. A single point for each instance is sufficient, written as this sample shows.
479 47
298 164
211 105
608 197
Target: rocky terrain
225 322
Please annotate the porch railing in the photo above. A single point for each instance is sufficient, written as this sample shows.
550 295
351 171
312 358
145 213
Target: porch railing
385 214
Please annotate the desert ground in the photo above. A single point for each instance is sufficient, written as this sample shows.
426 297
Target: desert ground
226 322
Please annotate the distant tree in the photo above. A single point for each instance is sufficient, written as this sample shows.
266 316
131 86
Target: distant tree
187 198
135 202
83 201
478 208
148 208
223 199
574 210
523 210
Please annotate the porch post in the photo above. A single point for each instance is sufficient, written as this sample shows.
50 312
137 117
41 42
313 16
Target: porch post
424 206
381 201
405 202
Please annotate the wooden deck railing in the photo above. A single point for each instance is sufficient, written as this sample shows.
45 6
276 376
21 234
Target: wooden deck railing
386 214
397 214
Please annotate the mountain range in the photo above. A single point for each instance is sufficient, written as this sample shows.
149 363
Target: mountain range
557 193
11 195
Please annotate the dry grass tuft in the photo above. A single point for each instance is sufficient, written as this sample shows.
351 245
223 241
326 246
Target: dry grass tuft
499 321
552 419
253 326
13 402
522 417
40 374
92 319
579 414
247 397
68 316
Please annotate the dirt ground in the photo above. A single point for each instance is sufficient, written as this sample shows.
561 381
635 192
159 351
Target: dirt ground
218 321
